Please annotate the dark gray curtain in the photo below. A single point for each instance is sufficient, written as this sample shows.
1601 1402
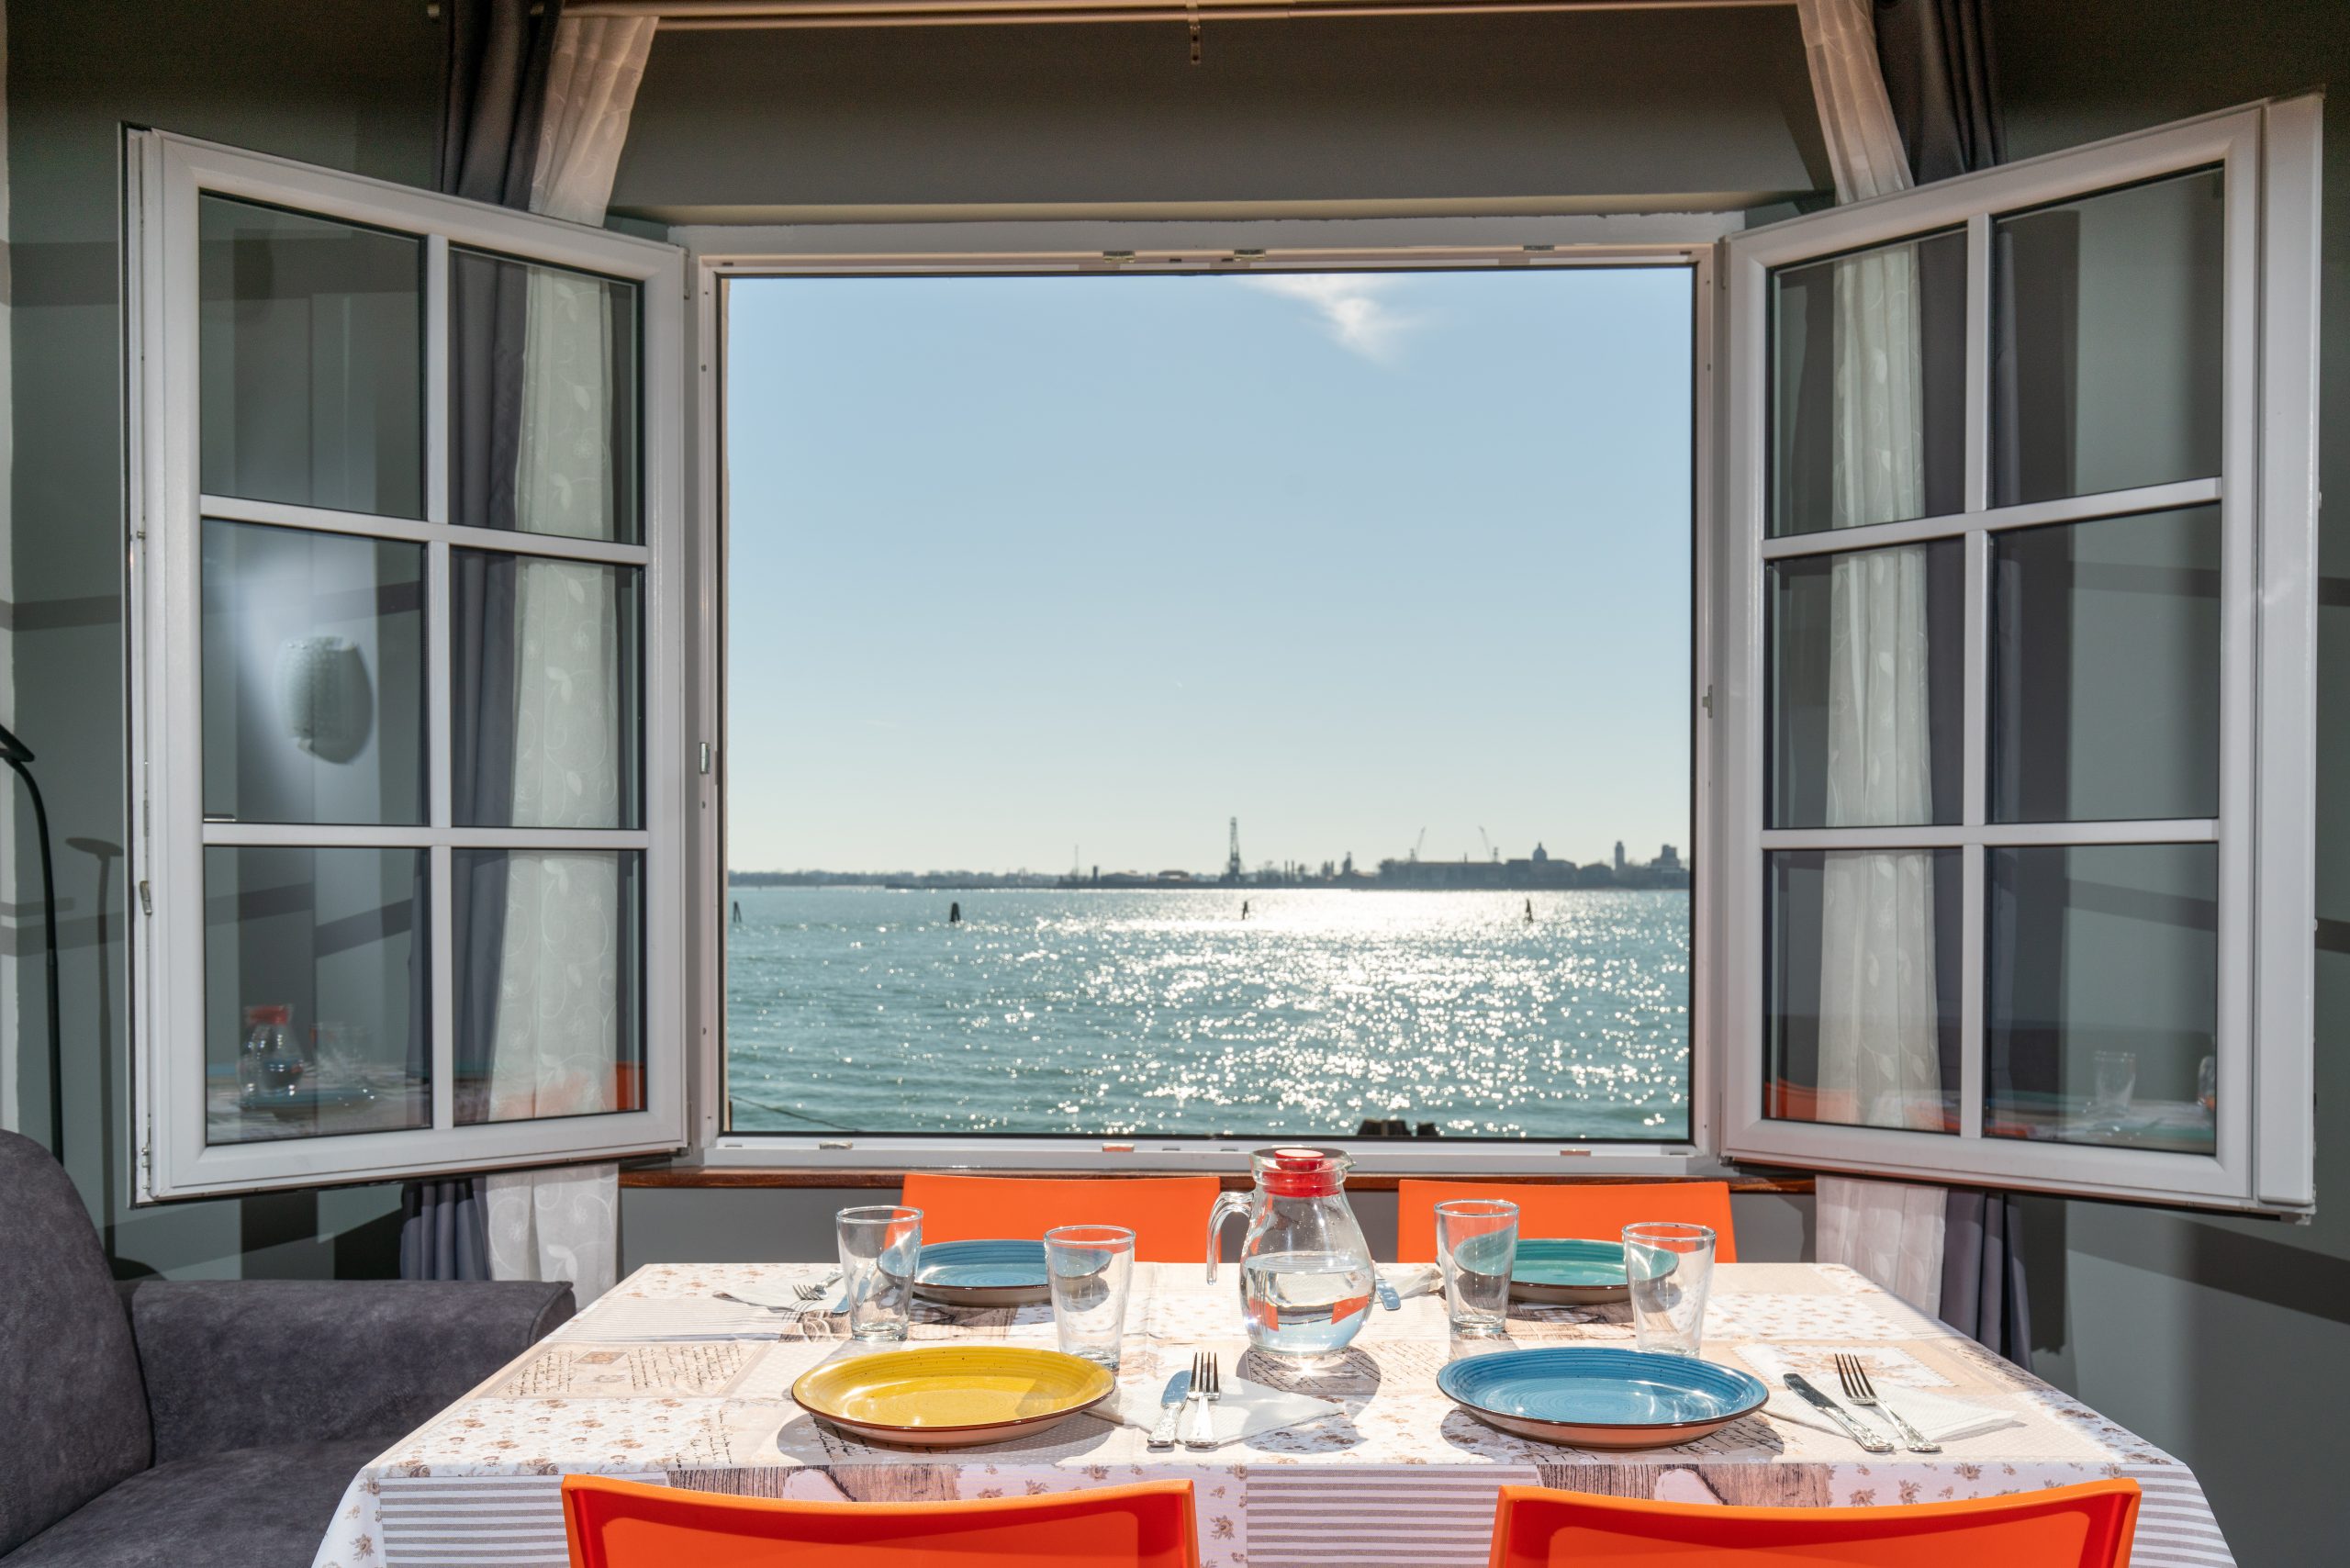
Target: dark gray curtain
495 94
1983 1283
1941 76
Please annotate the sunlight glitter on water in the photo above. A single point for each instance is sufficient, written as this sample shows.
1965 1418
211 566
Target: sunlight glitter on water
1155 1012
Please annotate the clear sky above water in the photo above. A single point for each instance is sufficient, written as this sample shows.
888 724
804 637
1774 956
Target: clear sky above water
1028 568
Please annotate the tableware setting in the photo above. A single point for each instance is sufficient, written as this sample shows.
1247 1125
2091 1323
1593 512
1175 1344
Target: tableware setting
880 1250
1227 1408
1569 1272
1601 1397
1668 1272
983 1274
1088 1269
1306 1277
1476 1249
808 1295
939 1397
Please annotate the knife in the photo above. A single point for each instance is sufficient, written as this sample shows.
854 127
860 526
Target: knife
1872 1441
1171 1405
1387 1296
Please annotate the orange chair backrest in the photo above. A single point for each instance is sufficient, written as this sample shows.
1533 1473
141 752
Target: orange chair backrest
1169 1214
623 1524
1567 1209
2088 1526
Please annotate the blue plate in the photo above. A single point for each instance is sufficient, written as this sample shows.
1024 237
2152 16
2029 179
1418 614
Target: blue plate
1596 1397
1569 1272
983 1274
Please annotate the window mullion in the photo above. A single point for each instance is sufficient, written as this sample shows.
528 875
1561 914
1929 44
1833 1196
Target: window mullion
1978 362
1974 747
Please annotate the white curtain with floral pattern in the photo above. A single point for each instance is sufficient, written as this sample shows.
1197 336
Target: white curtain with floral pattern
559 1032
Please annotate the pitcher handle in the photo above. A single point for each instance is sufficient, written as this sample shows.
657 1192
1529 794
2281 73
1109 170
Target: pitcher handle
1226 1205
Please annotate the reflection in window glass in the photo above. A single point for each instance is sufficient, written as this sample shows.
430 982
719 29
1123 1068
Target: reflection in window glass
550 983
547 717
2103 994
1868 386
1862 989
313 677
543 423
315 992
2107 327
312 360
2105 669
1867 688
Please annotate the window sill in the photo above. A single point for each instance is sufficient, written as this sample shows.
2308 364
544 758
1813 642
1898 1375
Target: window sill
689 1174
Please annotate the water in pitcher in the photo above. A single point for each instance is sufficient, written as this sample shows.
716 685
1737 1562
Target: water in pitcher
1304 1305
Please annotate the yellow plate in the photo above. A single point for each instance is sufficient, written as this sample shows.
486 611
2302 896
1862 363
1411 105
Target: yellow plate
952 1396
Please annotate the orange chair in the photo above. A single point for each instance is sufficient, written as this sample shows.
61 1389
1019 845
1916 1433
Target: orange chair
1169 1214
1569 1209
2088 1526
623 1524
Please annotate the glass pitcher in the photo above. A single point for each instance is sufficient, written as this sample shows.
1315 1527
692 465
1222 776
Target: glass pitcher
1306 1271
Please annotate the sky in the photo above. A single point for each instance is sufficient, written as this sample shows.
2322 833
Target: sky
1029 572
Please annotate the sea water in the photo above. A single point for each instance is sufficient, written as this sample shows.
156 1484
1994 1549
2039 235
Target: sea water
1110 1013
1305 1304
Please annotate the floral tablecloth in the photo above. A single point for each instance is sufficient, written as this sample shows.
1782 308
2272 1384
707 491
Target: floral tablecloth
663 1381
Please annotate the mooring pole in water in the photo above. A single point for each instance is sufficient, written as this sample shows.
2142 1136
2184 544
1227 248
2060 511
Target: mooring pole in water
954 912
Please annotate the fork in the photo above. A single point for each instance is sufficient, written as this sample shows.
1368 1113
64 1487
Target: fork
1206 1389
1861 1391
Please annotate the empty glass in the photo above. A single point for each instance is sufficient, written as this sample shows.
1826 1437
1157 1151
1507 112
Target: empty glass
1476 1244
1670 1268
2115 1084
1090 1267
880 1249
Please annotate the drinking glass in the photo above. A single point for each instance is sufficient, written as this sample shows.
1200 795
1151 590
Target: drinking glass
1670 1268
1476 1244
2115 1077
1090 1267
880 1250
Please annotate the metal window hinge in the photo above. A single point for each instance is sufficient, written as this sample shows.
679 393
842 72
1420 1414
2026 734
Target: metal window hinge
146 897
705 756
1706 702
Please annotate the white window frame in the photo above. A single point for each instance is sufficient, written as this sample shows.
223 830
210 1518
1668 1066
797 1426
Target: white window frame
164 174
2266 493
720 252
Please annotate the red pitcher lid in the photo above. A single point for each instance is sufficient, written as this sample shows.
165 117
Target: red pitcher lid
1302 1173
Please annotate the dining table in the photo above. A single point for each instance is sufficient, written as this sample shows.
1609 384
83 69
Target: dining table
668 1380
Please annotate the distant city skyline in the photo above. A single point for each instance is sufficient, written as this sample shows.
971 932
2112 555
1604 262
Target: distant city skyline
1633 854
1020 565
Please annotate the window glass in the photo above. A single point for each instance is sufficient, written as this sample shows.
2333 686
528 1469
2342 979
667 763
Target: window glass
1867 686
312 356
1210 705
1868 386
546 718
544 427
2105 669
2103 994
550 983
1862 987
317 1012
313 682
2105 350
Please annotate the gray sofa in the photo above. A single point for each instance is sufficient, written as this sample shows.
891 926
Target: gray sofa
202 1424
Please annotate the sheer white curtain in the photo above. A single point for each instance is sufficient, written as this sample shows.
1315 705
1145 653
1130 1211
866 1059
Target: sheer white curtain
558 1030
1879 1061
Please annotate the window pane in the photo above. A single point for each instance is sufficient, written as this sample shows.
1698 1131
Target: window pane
550 961
315 992
2103 990
1867 686
543 400
1862 987
312 360
314 705
547 716
2105 669
2106 346
1868 388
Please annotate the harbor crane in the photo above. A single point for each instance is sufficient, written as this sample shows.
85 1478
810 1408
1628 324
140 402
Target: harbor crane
1488 843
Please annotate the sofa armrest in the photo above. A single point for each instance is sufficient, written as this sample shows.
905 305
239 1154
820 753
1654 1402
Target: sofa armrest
238 1363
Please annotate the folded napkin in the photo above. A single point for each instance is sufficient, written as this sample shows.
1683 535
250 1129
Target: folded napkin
616 1319
1413 1280
1247 1410
1937 1416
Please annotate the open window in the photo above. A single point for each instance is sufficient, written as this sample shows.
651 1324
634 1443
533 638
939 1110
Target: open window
2017 621
406 741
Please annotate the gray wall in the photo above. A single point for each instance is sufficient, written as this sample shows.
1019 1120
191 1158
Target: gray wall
2211 1336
